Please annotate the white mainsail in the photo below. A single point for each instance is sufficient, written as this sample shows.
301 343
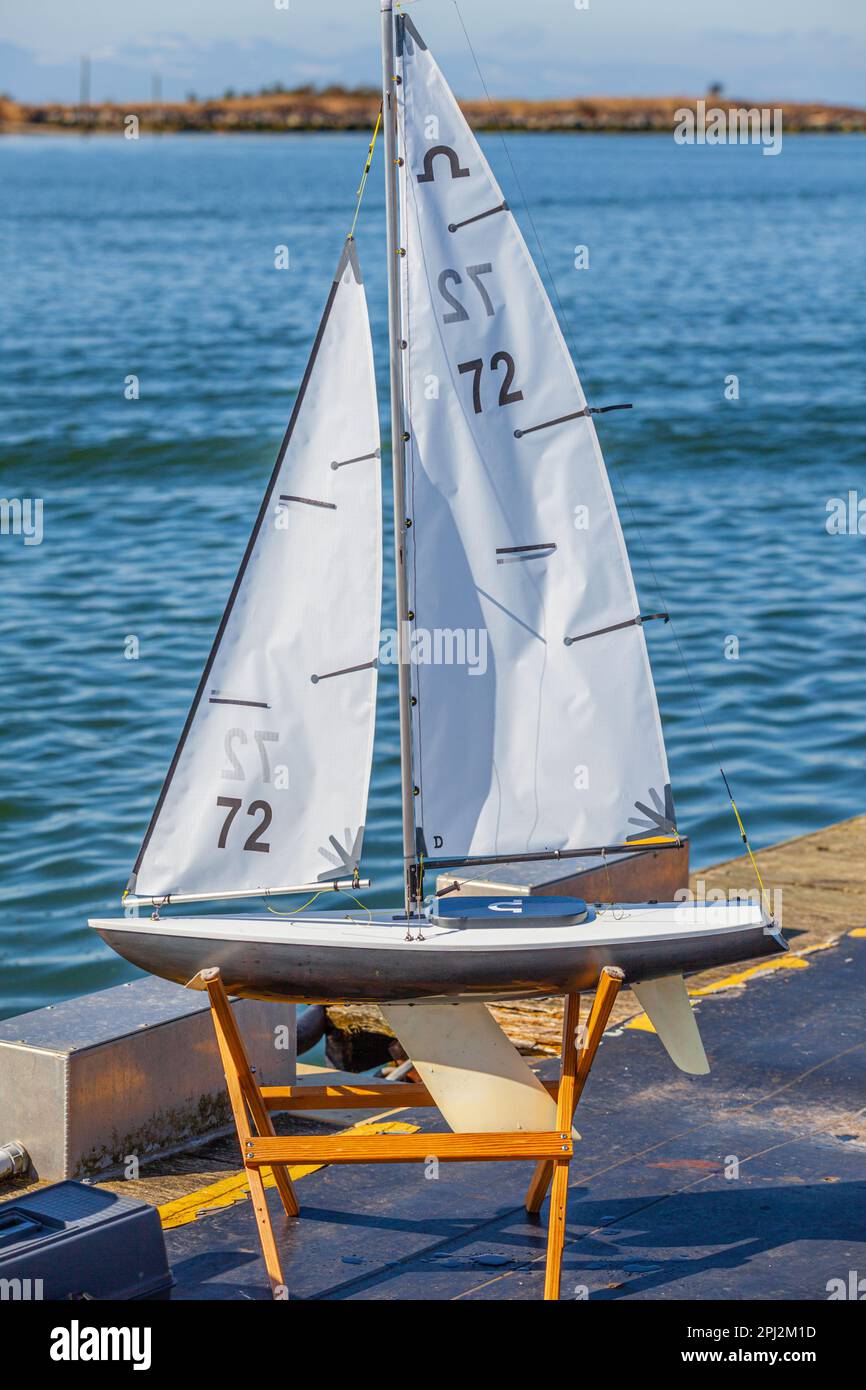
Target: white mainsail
268 786
535 723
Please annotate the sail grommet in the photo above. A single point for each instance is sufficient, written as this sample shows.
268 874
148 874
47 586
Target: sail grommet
518 434
405 436
403 343
408 522
411 616
401 250
416 791
400 161
413 700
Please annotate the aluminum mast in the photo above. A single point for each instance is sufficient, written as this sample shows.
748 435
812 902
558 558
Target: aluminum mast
398 449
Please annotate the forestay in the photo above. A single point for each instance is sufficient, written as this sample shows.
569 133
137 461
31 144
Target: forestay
268 786
535 725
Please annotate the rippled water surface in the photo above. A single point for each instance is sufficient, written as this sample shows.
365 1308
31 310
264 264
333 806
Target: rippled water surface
157 259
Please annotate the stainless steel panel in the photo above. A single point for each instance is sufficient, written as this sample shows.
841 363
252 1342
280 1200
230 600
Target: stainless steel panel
129 1072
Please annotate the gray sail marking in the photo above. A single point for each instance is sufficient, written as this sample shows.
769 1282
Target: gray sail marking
406 33
345 858
479 217
217 698
359 458
429 173
661 820
510 554
346 671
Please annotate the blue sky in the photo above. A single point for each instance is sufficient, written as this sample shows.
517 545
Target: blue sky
760 49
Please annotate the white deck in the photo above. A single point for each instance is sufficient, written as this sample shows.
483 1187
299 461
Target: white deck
387 929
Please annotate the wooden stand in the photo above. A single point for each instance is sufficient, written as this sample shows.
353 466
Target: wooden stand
260 1146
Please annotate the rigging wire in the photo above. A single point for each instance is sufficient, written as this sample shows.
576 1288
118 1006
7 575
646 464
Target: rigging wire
363 184
293 912
620 484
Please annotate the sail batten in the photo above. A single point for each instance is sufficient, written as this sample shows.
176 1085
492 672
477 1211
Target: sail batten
268 784
515 544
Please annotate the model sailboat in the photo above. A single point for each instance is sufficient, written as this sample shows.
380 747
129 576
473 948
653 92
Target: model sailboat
507 538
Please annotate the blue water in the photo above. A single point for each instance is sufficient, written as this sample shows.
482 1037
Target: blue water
156 259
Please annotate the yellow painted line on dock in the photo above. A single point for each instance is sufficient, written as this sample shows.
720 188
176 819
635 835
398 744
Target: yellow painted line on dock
641 1022
858 931
228 1191
742 977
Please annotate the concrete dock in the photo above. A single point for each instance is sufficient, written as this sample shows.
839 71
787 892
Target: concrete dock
747 1183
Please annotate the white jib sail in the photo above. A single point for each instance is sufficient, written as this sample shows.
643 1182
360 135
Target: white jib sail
268 786
536 725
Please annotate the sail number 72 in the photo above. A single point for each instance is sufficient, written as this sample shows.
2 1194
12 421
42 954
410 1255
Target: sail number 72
499 359
253 841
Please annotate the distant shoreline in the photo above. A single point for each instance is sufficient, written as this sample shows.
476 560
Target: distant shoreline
336 110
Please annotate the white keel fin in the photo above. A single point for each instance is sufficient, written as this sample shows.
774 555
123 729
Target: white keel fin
666 1004
474 1073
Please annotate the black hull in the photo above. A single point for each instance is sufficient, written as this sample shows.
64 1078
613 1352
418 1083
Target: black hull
310 974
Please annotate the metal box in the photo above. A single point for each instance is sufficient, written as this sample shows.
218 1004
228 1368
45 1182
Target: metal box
71 1241
126 1074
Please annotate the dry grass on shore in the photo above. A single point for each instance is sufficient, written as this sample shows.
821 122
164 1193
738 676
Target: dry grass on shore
339 110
